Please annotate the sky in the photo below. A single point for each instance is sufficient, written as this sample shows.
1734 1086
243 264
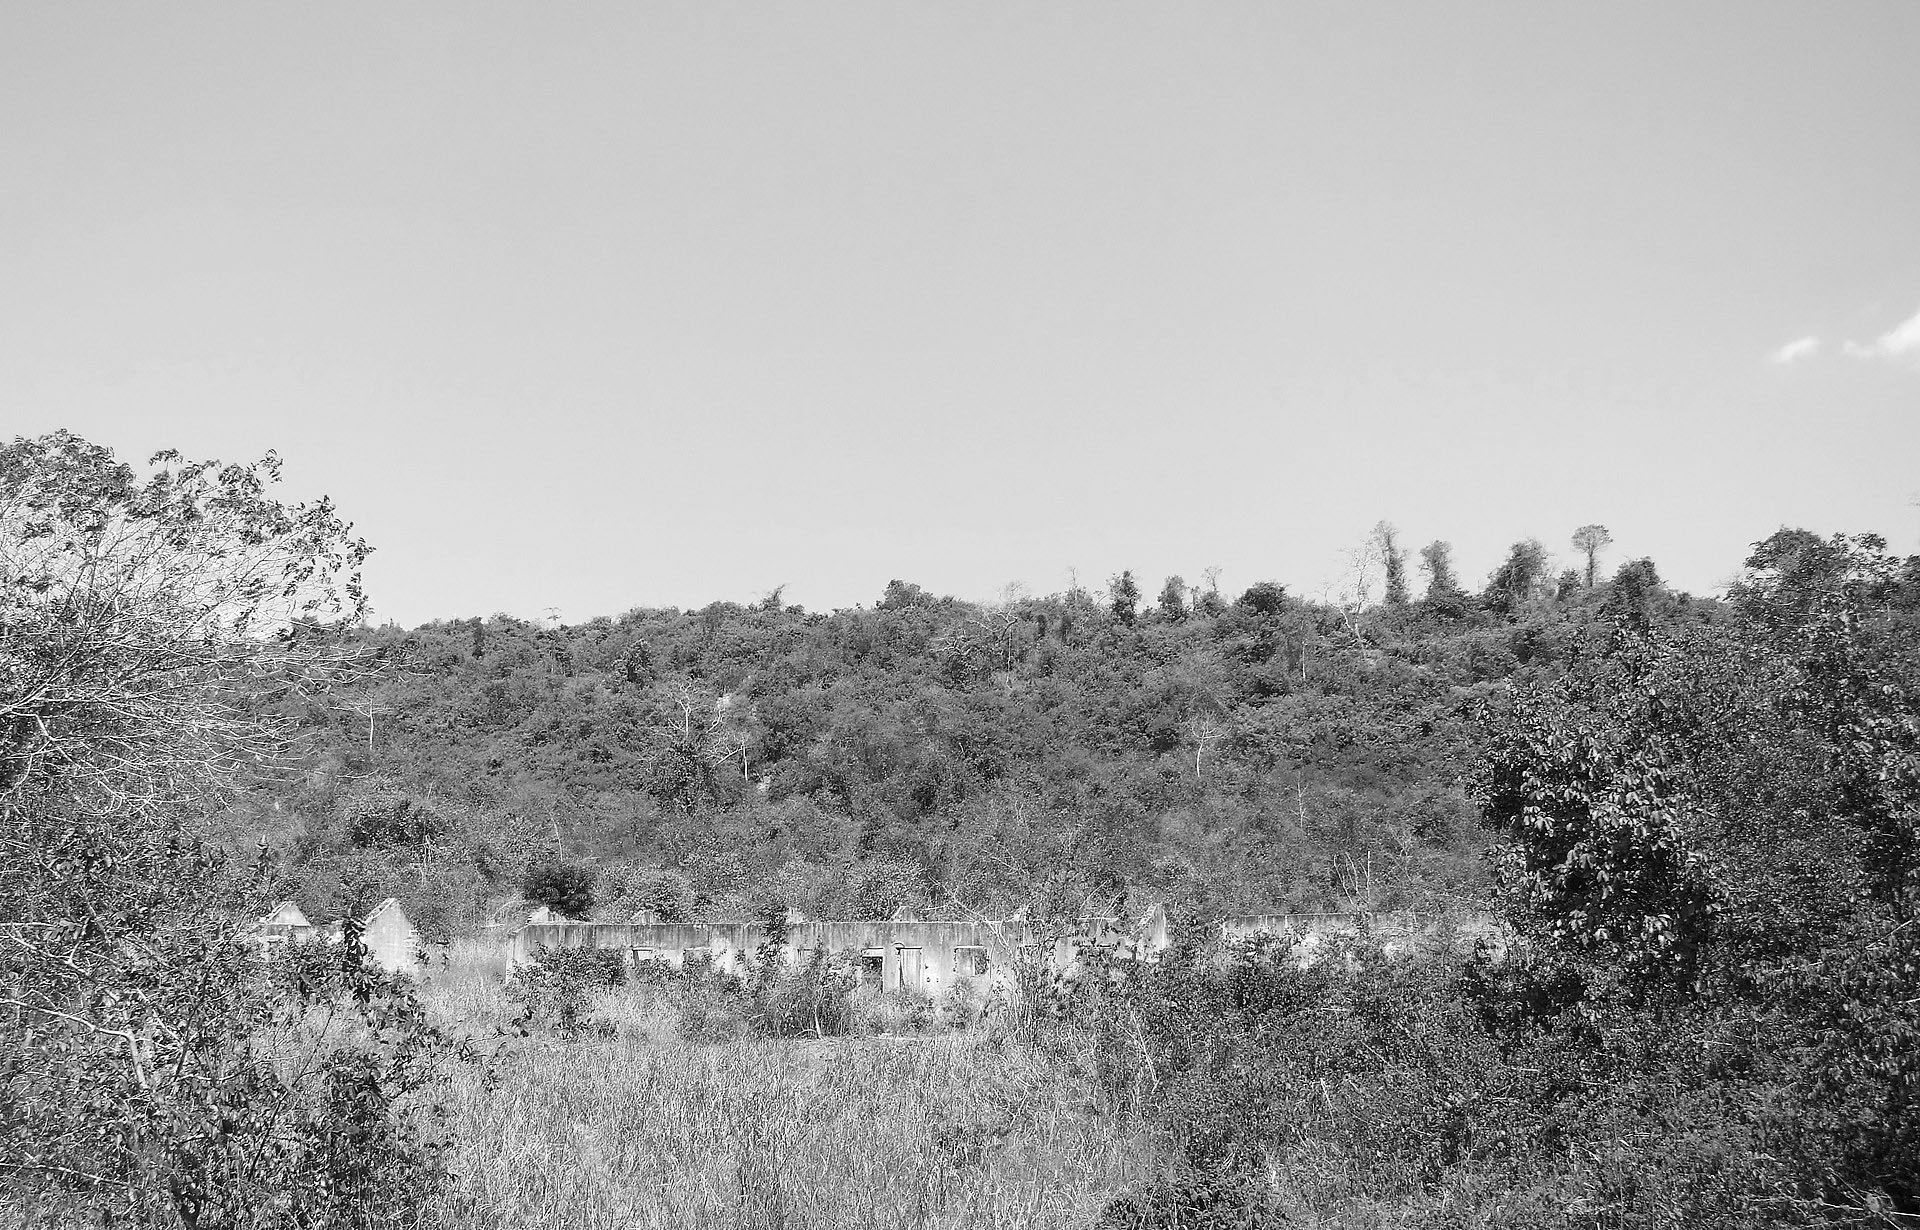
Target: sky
580 307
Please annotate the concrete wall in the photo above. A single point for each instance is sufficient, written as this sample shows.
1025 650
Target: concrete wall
282 925
1397 933
390 939
907 954
902 954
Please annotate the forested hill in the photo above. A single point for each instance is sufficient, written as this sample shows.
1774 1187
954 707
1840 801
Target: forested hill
1221 753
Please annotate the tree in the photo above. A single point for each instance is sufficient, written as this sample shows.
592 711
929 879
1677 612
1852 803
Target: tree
379 814
1173 600
1709 836
1386 543
1124 597
1635 586
139 616
1521 578
903 595
1590 540
700 733
1263 598
563 887
1793 572
636 664
1436 560
1209 601
148 627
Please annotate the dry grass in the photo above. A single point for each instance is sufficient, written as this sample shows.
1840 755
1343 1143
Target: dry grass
888 1132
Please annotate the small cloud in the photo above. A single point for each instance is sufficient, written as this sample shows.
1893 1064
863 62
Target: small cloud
1796 350
1900 344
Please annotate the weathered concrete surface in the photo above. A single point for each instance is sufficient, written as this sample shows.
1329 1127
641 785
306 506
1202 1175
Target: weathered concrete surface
386 932
924 957
389 938
1397 933
282 923
930 958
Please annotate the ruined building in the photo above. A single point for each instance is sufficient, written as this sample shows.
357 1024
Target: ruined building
916 955
386 932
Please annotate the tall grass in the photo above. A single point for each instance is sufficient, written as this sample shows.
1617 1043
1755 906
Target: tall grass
642 1130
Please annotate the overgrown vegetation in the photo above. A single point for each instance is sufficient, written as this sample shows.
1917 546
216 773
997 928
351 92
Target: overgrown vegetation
152 1070
1698 822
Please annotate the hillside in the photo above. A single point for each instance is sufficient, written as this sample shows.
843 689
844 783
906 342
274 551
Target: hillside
1220 754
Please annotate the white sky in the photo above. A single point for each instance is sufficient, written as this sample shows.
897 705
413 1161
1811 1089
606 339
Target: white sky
594 306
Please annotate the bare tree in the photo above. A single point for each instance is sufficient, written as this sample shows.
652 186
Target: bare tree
1206 731
719 728
994 635
141 622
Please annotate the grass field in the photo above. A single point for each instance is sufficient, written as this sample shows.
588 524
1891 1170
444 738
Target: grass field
642 1129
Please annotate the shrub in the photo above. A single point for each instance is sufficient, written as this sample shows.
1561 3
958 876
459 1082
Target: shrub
566 888
382 814
813 998
592 967
552 989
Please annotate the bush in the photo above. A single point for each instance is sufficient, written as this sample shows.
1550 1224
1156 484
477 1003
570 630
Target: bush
594 968
1382 1069
552 989
811 999
667 893
566 888
381 815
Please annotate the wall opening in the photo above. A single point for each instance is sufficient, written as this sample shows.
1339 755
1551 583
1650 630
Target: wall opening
969 960
909 967
873 962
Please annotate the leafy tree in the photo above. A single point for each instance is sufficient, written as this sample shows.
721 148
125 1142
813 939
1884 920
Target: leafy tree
1386 541
1124 597
1520 578
382 814
1444 595
636 665
1263 598
1631 599
1172 603
146 626
1601 850
1793 572
1210 602
564 887
666 893
880 886
1590 540
902 595
1710 837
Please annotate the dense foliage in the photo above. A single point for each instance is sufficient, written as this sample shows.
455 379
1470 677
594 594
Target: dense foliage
1704 821
153 1071
1710 1015
1067 752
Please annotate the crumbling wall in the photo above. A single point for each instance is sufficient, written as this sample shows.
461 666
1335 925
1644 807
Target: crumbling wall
919 956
